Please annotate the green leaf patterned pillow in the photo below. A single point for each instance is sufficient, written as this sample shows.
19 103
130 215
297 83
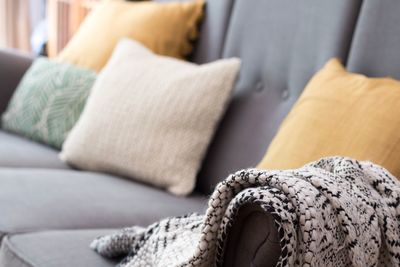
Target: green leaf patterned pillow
48 101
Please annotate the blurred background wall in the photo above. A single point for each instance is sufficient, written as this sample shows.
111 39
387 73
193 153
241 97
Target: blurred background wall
41 27
19 20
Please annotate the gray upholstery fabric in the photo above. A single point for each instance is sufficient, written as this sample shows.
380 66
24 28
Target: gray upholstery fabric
376 43
71 247
212 30
53 249
19 152
37 199
282 43
253 239
12 68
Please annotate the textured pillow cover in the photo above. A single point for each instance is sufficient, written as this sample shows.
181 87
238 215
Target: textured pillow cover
165 28
151 117
340 113
48 101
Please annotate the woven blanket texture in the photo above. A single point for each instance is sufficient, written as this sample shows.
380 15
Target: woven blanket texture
333 212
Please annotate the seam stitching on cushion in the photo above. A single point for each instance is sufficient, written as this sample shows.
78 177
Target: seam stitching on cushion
258 249
226 30
2 235
10 248
354 28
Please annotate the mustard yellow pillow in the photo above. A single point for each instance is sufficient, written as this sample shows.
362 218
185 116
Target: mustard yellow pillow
165 28
344 114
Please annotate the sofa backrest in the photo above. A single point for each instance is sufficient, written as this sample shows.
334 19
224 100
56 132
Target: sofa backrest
213 31
375 50
282 43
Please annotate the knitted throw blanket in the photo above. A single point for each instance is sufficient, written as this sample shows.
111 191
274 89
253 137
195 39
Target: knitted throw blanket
332 212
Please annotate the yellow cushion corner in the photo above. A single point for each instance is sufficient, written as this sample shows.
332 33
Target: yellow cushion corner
165 28
340 114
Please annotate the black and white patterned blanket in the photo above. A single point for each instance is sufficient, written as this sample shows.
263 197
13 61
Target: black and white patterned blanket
333 212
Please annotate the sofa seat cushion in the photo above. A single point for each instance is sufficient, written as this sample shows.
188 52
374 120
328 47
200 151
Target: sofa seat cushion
53 249
38 199
17 151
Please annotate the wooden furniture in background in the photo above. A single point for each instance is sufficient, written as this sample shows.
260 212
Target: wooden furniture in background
64 18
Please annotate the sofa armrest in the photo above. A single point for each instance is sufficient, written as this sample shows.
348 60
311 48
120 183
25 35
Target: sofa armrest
253 239
12 68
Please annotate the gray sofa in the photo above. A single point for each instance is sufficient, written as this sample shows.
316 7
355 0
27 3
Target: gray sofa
49 212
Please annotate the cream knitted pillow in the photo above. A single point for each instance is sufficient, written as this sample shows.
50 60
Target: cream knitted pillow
151 117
